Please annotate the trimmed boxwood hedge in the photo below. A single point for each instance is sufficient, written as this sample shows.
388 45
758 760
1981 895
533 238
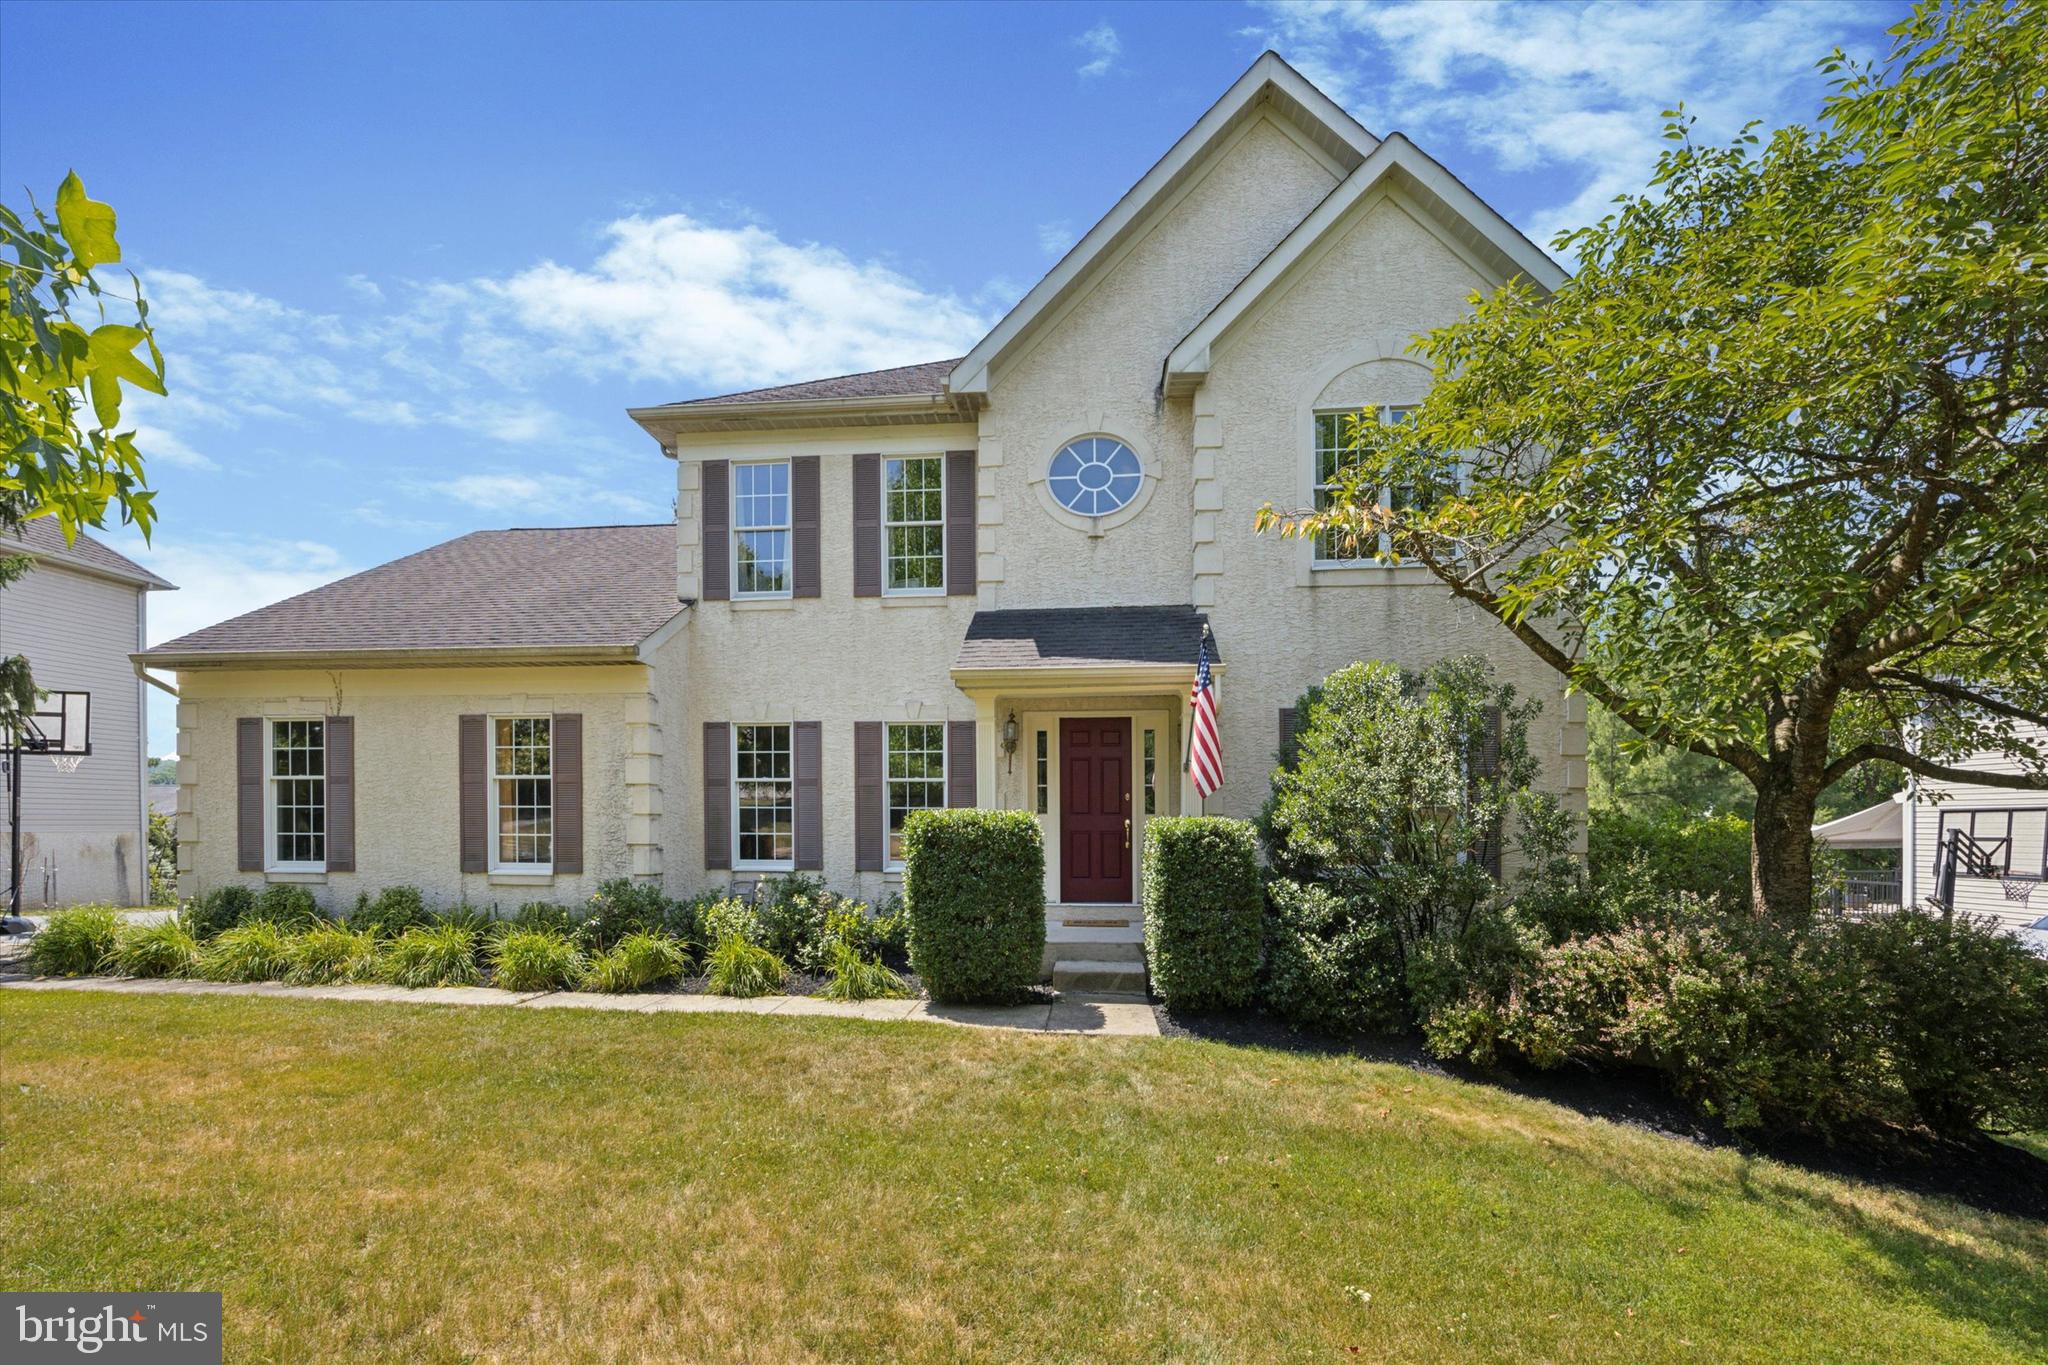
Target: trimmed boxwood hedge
974 886
1204 907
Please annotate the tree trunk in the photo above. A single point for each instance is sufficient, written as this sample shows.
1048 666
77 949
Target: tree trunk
1781 847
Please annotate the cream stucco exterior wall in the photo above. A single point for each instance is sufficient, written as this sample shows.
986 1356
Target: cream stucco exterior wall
406 804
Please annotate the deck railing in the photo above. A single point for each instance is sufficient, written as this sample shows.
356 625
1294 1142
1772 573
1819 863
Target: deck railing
1865 894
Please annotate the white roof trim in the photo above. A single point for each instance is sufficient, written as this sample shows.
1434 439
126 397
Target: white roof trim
1268 76
1406 164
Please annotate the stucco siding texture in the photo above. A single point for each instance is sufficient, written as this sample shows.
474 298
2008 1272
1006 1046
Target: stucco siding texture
406 797
77 630
1097 371
1333 339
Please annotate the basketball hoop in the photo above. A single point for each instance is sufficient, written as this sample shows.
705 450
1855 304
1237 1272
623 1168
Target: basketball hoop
67 763
2018 889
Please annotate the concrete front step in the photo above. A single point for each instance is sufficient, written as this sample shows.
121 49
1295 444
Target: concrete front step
1091 944
1081 974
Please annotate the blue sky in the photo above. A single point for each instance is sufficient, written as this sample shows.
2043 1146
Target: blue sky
410 264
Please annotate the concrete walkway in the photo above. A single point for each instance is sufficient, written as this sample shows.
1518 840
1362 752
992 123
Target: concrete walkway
1122 1016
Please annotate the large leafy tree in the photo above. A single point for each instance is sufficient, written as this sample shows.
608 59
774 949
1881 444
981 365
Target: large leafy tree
66 363
1768 478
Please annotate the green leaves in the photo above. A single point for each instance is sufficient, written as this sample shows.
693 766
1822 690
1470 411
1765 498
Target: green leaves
87 225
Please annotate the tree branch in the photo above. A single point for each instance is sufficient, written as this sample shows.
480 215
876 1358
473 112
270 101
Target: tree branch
1913 763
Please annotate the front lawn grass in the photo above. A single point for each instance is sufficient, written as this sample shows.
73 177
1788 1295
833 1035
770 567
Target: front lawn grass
421 1183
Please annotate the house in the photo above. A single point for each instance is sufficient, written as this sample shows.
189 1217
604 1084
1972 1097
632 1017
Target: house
980 580
76 617
1962 847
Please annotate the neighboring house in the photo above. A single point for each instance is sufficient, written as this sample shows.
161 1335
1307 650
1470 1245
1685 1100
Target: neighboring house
981 580
77 617
1963 846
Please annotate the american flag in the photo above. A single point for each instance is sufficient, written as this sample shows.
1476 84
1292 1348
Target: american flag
1205 745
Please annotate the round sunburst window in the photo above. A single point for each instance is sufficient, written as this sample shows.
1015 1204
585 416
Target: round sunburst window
1095 476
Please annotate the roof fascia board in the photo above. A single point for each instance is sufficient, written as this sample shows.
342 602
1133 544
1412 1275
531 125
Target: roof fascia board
1316 234
1047 680
671 419
390 658
141 578
661 635
971 375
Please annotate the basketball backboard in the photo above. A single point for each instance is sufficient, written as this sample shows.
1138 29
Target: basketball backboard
61 724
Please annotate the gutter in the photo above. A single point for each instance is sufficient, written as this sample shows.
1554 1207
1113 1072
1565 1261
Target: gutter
675 418
390 658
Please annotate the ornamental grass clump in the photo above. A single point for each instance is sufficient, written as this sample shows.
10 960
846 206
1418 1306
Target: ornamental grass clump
543 959
635 963
164 949
76 942
738 968
431 955
328 954
256 951
854 977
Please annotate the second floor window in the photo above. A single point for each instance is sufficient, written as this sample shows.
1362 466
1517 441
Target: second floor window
914 525
1333 457
760 529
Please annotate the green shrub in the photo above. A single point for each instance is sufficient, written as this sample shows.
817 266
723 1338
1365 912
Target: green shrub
431 955
75 942
391 911
543 915
793 911
892 930
259 950
737 967
1960 1009
1671 853
329 953
855 977
163 858
285 904
1203 910
974 885
731 918
221 908
636 962
622 906
462 915
164 949
1330 965
535 959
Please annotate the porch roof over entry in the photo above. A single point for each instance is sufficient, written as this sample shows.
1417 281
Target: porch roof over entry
1093 641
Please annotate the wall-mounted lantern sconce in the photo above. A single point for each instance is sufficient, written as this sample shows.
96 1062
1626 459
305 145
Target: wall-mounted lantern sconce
1010 742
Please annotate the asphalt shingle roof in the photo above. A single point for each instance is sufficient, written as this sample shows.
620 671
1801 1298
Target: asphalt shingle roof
537 587
1075 637
904 380
43 535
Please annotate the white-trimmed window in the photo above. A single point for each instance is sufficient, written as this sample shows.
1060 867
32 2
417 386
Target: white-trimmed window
915 762
763 797
297 804
1044 774
914 525
1333 456
523 793
760 529
1151 772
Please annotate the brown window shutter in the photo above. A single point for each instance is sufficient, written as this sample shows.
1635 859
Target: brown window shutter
249 794
1485 767
870 847
565 763
803 526
807 741
960 566
472 753
715 544
960 763
340 733
867 526
1287 751
717 794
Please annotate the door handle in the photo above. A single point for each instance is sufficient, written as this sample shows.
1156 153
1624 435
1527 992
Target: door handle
1127 831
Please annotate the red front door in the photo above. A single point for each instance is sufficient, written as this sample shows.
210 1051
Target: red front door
1095 810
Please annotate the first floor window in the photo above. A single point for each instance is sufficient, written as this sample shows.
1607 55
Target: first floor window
1151 772
764 798
523 790
1044 772
1335 454
916 765
298 794
760 529
914 525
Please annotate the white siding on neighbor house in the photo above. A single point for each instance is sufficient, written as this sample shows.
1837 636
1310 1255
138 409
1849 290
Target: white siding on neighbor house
1938 805
77 631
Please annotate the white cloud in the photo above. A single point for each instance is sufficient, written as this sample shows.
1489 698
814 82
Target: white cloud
1570 90
1055 237
223 576
538 498
364 287
167 447
1103 48
375 513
